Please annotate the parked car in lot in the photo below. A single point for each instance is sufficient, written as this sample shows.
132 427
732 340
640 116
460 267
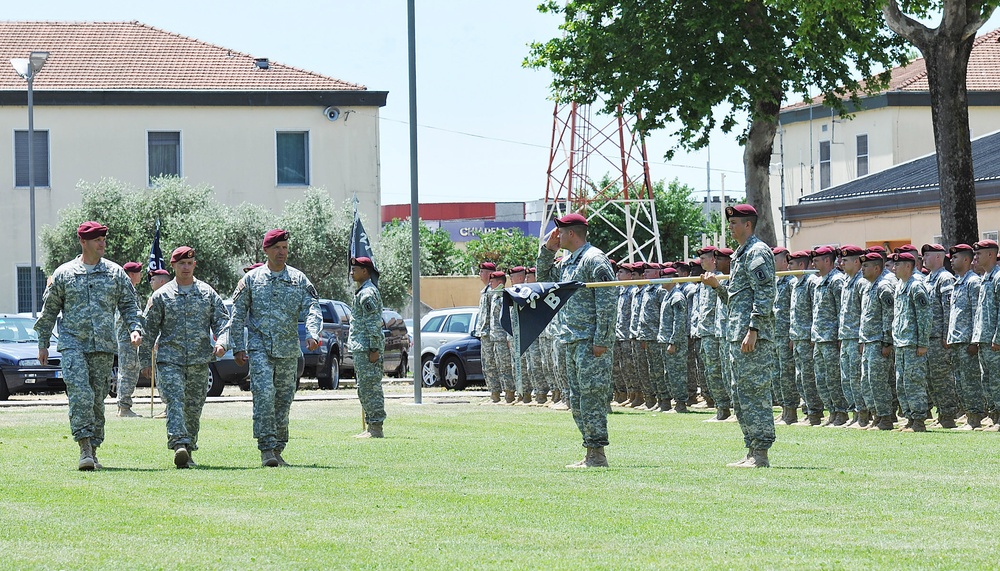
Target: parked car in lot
459 363
437 328
20 369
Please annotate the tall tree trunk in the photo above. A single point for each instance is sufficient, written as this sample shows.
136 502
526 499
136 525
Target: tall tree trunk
947 66
757 161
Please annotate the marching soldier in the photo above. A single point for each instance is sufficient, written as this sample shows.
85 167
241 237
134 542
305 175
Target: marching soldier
179 320
875 336
87 290
911 325
940 384
964 353
366 342
826 324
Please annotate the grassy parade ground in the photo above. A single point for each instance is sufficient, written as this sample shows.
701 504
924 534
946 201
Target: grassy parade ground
456 485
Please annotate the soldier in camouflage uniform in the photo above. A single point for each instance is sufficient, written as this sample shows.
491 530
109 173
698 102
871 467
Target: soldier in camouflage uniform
482 331
649 324
623 351
723 258
268 301
849 333
640 353
633 358
539 371
128 359
911 330
784 386
826 325
941 382
749 295
964 353
366 342
984 330
179 320
696 378
523 386
87 290
672 338
710 342
800 319
502 341
875 336
586 330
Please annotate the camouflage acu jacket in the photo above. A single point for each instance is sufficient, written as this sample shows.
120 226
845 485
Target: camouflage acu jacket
270 307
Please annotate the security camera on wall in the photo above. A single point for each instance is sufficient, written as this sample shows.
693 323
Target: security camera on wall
332 113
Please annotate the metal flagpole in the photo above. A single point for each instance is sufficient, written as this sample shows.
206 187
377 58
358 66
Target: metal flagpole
414 198
152 381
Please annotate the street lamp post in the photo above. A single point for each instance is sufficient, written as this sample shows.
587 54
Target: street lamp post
28 68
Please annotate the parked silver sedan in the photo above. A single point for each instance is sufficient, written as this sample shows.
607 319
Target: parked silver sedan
437 328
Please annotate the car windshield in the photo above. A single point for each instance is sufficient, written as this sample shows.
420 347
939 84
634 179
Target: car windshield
17 330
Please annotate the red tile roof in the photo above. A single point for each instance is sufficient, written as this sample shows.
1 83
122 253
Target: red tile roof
983 72
132 56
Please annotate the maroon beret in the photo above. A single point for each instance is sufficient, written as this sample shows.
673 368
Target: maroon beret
531 270
364 262
517 269
905 248
824 251
252 266
160 272
706 250
904 257
90 230
799 254
274 236
181 253
132 267
985 244
959 248
668 272
851 250
876 249
725 252
696 261
779 250
572 219
740 211
488 266
931 248
682 265
654 266
872 257
498 276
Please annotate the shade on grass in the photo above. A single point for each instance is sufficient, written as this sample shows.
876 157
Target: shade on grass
462 486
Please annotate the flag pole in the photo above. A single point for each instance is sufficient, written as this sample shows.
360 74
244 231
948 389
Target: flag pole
152 381
690 279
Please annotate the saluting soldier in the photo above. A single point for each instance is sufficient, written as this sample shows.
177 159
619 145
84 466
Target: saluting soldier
366 342
128 357
826 326
964 353
849 333
87 290
749 296
180 319
875 336
482 330
672 337
803 291
784 386
586 330
940 382
984 331
911 332
268 302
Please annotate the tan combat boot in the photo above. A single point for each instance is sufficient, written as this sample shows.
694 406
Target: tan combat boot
508 397
556 395
679 408
277 456
86 455
791 415
739 463
526 398
126 412
268 459
495 397
181 456
97 463
581 463
972 421
758 459
375 429
541 398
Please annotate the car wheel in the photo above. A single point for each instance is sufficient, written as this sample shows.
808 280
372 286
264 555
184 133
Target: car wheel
428 373
330 379
4 391
452 374
215 383
113 385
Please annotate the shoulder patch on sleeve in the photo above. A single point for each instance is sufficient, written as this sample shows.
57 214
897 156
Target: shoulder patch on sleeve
756 262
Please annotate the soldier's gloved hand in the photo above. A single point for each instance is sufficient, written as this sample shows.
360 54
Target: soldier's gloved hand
313 344
598 350
43 356
972 349
240 357
373 356
219 351
136 338
887 351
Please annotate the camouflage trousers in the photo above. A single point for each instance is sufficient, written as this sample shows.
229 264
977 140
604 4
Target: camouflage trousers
489 365
657 374
618 367
751 388
911 383
630 367
676 373
727 368
539 376
369 377
502 363
713 372
968 379
989 361
589 383
547 347
805 376
850 374
128 373
272 382
640 356
183 389
826 360
696 377
787 393
559 377
877 378
88 379
941 379
522 383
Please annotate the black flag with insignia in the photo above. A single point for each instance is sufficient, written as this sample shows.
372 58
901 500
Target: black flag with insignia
155 255
536 304
360 245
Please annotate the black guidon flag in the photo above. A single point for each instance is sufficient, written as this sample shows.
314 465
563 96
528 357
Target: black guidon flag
155 254
360 246
535 305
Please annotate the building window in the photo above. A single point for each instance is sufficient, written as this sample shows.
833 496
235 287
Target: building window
824 164
24 288
862 155
41 151
990 235
164 151
293 158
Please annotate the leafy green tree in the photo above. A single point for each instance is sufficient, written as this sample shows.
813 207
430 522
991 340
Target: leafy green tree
946 50
319 243
506 248
678 62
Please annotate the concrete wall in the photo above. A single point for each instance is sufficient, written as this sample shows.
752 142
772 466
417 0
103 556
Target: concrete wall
230 148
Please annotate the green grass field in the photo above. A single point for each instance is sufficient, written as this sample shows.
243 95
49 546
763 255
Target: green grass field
462 486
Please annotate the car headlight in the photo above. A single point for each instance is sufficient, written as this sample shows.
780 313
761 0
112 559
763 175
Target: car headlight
30 363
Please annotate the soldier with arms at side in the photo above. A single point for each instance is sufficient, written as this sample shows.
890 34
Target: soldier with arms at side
366 342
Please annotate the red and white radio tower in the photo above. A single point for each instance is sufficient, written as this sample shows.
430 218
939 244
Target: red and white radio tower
583 144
